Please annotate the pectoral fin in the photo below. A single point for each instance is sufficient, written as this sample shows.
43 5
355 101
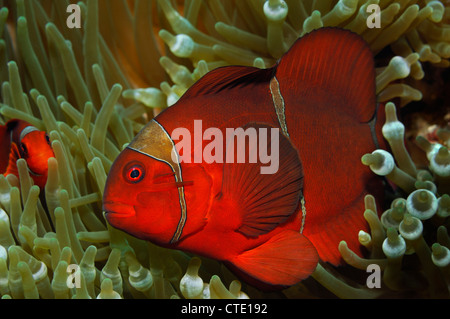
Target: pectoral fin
264 200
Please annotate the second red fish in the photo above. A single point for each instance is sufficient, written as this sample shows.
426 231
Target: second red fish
19 139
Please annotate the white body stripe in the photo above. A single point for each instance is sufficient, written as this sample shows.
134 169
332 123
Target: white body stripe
280 110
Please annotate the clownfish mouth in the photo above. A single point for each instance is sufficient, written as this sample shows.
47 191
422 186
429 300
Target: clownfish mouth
118 210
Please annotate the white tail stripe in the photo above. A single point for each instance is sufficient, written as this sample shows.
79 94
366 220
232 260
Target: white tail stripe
278 103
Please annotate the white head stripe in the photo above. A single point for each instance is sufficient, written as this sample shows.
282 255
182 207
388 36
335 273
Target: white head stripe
154 141
26 131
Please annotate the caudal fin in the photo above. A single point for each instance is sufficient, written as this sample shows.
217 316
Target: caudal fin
284 260
327 80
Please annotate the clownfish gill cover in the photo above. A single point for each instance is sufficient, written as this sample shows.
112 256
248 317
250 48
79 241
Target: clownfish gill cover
224 149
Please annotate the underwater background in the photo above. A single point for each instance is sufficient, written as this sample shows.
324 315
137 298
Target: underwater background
94 88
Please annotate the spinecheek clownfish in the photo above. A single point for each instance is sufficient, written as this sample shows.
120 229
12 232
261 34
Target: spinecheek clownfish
19 139
271 229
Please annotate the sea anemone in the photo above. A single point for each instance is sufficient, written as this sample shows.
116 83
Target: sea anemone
93 88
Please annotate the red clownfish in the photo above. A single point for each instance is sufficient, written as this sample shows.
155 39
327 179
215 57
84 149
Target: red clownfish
20 139
271 229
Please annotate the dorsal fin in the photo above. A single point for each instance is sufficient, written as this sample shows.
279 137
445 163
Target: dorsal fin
338 62
16 127
227 78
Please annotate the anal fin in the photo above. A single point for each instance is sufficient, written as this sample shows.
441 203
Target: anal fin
284 260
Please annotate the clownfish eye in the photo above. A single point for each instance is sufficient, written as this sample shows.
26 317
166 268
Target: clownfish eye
134 173
47 138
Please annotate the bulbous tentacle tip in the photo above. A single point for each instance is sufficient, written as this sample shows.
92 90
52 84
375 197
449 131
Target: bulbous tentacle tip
191 285
365 239
275 10
440 162
422 204
411 227
380 162
393 129
444 206
107 291
392 218
440 255
394 246
218 290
